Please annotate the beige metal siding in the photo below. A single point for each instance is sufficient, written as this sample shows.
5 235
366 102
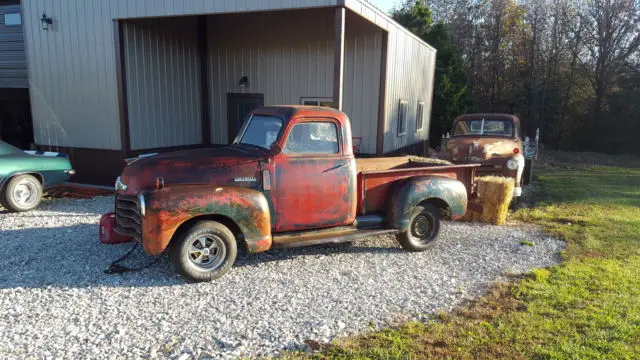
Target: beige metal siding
163 82
285 55
72 66
13 62
410 71
363 55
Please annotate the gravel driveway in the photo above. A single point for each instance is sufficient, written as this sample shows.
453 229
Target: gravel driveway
56 302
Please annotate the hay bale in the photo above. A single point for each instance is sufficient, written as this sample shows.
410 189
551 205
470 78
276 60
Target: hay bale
494 194
428 161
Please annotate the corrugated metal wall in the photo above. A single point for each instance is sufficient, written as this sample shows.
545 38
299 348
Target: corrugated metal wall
13 60
286 56
163 82
410 71
292 60
363 55
72 65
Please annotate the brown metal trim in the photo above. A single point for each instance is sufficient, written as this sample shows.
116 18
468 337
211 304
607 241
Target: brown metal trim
338 57
121 80
203 49
382 96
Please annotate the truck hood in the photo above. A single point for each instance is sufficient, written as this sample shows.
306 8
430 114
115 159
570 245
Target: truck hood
236 165
481 148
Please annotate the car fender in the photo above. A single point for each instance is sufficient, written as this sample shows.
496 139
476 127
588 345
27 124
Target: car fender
169 208
412 191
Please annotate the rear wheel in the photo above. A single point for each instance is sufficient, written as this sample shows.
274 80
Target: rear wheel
22 193
204 252
424 227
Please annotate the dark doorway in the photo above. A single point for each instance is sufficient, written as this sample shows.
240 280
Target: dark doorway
16 124
238 107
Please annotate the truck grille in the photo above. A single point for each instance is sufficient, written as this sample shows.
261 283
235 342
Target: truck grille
128 220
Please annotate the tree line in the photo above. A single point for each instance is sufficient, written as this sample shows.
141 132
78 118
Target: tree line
568 67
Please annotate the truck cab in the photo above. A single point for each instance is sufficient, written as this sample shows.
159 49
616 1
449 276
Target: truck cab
493 140
289 178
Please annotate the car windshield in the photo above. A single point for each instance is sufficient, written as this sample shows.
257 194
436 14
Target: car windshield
484 127
260 130
6 149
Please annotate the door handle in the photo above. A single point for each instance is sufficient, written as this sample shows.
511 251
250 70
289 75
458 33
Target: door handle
334 168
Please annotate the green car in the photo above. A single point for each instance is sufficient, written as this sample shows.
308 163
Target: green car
24 175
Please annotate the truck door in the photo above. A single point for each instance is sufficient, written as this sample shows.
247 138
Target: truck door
312 177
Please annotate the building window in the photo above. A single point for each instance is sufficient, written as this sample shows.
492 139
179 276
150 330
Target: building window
402 117
317 101
312 138
420 116
12 19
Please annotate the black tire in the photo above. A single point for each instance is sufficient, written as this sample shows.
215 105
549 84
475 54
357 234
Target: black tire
424 227
21 193
185 256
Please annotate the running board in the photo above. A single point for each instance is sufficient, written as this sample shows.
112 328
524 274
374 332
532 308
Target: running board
314 238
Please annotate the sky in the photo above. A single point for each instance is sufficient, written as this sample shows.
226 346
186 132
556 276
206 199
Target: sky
385 5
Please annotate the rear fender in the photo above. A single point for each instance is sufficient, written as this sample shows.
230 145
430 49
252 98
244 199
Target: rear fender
170 207
413 191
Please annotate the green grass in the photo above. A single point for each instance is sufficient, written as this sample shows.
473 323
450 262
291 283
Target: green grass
586 308
526 243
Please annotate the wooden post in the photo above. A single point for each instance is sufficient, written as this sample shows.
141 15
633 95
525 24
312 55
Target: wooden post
121 81
203 46
382 97
338 59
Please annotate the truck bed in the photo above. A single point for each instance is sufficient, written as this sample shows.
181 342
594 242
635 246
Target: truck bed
377 175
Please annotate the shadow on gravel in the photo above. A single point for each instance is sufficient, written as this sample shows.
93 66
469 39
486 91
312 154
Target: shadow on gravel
73 257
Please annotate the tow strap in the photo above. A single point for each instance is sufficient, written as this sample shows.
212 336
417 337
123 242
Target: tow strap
116 268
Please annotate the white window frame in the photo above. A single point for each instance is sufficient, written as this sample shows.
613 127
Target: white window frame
317 100
420 116
13 14
403 109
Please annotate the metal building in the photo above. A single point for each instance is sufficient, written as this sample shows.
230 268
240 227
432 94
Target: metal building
112 79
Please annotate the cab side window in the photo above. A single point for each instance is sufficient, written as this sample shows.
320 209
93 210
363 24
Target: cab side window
313 138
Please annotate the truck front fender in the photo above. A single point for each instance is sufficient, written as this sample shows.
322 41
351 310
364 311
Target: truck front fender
167 209
413 191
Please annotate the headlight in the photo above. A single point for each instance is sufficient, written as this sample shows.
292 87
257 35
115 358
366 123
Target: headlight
141 205
512 164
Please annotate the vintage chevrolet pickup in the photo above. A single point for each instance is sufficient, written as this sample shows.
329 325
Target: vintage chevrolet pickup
288 179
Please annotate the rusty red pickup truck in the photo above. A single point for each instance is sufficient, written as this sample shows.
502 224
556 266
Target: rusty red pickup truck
289 179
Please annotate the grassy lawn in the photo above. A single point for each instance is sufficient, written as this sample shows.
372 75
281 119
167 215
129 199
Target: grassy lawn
587 307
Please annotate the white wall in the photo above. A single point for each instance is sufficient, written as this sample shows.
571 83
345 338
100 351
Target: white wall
163 82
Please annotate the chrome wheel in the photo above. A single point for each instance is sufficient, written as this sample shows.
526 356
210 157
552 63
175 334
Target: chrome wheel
207 252
25 193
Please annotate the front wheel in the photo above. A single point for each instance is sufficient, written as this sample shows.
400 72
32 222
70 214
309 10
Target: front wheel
424 227
22 193
204 252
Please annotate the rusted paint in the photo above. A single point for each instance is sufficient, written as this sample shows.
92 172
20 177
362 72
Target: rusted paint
374 187
411 192
170 207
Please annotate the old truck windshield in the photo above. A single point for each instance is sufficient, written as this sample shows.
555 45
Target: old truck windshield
484 128
260 130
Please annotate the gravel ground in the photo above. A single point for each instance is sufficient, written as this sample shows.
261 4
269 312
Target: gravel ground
56 302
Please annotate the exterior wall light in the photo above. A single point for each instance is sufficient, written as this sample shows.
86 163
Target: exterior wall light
244 81
46 21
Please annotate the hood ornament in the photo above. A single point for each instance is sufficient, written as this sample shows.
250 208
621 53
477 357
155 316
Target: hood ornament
130 161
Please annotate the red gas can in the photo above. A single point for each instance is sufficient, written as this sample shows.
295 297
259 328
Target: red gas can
108 235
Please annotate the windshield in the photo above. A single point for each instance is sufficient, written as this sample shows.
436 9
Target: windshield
260 130
6 149
484 128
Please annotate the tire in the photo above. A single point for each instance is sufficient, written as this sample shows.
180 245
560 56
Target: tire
22 193
196 264
424 227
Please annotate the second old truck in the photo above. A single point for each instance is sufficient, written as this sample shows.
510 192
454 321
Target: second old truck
289 179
